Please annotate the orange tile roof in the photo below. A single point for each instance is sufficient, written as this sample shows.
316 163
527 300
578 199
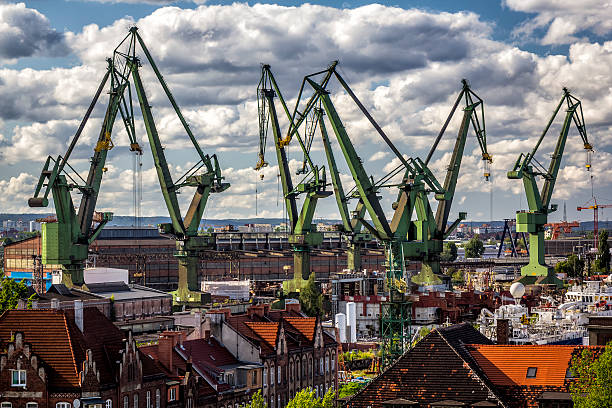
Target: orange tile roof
54 340
265 330
507 365
305 325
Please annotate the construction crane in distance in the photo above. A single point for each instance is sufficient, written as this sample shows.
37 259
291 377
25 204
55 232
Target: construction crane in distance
302 234
66 242
595 207
528 169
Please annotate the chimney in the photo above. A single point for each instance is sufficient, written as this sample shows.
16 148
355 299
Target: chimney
197 317
293 305
502 331
165 348
55 303
167 341
78 314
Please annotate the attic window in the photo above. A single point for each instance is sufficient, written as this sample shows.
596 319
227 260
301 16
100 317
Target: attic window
531 372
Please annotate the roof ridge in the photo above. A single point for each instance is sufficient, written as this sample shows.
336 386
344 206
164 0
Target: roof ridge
74 363
473 367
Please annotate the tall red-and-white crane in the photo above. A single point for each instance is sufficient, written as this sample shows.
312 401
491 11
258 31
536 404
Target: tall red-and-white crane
595 207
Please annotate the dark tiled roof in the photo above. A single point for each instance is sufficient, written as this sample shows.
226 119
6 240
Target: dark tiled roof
432 371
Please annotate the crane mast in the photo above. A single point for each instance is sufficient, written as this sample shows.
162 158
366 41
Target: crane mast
302 235
529 169
190 244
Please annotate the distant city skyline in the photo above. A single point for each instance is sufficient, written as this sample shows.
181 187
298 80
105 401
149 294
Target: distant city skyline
405 63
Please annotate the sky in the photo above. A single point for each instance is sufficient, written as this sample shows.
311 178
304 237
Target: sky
404 60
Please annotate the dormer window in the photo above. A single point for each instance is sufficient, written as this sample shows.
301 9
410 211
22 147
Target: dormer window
18 378
532 372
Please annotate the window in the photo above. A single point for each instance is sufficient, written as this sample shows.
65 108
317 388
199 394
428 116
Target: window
278 368
148 399
172 394
254 377
568 373
531 372
63 405
157 398
265 377
6 405
135 400
272 375
327 364
278 399
126 402
321 365
109 403
18 378
32 405
333 363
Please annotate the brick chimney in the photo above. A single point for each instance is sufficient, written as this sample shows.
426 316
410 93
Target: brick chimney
165 346
78 314
502 331
293 305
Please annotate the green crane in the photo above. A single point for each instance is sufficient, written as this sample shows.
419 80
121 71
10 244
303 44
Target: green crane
303 235
404 238
66 242
426 235
529 169
190 244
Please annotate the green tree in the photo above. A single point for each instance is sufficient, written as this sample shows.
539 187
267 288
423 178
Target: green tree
592 387
573 267
311 298
11 292
449 254
602 264
257 401
458 277
307 399
349 389
474 248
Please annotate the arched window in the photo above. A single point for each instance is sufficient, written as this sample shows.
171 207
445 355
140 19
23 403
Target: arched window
108 403
298 369
271 374
265 376
278 372
126 402
157 398
135 400
321 365
327 363
148 399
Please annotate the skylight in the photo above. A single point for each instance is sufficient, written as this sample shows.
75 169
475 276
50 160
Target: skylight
531 372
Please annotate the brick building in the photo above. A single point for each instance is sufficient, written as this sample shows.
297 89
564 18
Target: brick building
456 366
149 258
220 379
54 358
293 349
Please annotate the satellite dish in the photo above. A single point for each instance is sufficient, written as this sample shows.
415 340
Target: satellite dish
517 290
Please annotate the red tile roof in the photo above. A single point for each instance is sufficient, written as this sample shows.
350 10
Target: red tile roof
209 353
305 325
267 331
53 338
507 365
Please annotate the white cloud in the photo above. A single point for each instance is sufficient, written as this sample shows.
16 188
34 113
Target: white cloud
24 32
210 58
563 20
